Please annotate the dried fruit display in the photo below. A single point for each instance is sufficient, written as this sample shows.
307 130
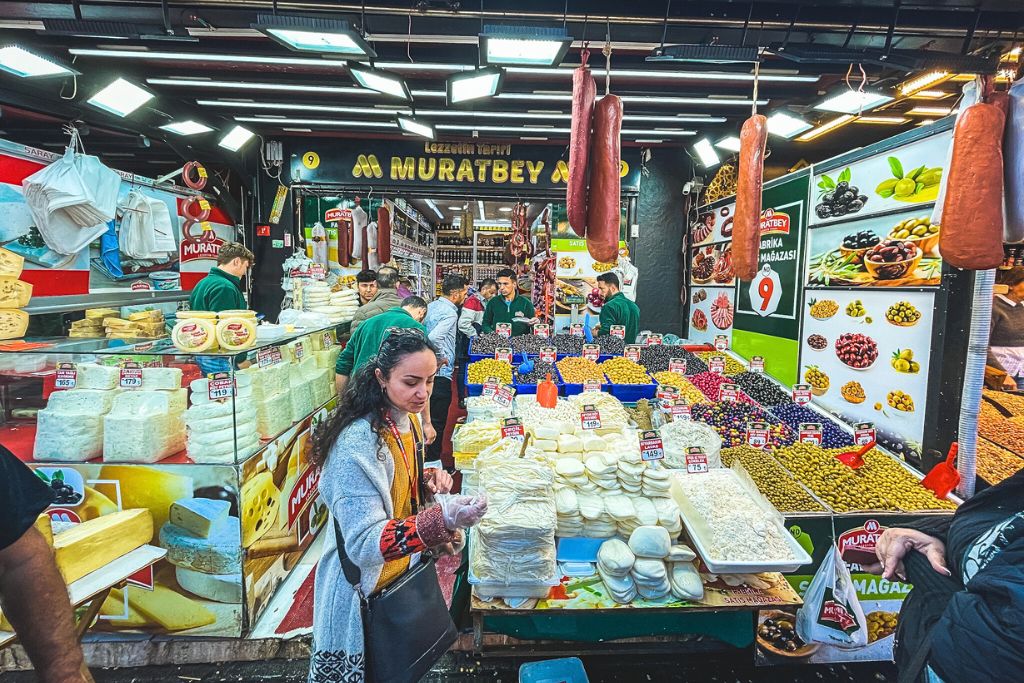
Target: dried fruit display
722 311
995 463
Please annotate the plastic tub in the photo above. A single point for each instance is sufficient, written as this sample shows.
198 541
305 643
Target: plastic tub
490 590
165 281
578 549
631 393
568 670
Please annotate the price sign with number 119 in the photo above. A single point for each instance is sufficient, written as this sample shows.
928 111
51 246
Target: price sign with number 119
765 291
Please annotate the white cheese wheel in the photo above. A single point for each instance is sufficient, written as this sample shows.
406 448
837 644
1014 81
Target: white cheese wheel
236 334
194 335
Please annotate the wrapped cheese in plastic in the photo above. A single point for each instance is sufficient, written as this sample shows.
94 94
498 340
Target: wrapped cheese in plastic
615 557
236 334
650 541
195 335
141 427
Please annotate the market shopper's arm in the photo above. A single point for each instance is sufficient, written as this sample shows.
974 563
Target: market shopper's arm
467 326
488 324
35 600
895 544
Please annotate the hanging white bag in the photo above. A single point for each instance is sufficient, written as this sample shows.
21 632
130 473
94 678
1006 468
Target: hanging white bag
832 613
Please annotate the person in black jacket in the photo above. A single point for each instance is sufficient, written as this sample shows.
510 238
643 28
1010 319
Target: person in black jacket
964 620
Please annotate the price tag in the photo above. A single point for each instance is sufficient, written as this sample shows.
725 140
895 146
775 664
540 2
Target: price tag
318 272
503 353
491 385
67 376
863 433
592 385
542 330
591 352
267 356
503 396
576 329
618 331
220 386
757 364
632 352
721 342
681 410
328 340
131 375
717 365
300 351
765 291
729 393
802 394
653 340
667 393
590 417
810 432
651 446
504 329
677 365
548 354
696 460
757 434
512 428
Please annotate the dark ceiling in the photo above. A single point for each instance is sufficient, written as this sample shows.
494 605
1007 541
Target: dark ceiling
425 40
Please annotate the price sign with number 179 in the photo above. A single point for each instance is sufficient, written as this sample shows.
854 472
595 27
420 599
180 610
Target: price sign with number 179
765 291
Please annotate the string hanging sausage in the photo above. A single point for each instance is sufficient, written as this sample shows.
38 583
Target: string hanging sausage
383 235
584 91
746 239
603 207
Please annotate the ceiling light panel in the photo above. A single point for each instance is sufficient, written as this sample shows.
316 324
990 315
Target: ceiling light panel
381 81
523 45
189 127
474 85
786 125
312 34
120 98
25 64
236 138
210 57
826 127
930 95
246 85
729 144
853 101
930 111
882 120
705 151
411 125
923 81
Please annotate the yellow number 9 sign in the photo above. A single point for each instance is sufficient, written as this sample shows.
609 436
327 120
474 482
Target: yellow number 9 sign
310 160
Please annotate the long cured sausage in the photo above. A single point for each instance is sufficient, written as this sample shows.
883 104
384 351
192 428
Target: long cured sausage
971 235
345 242
746 224
584 90
603 207
383 235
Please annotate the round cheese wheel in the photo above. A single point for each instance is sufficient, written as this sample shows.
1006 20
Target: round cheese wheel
194 315
194 335
236 313
236 334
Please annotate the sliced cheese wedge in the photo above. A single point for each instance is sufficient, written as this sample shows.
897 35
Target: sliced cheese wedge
13 292
11 264
90 545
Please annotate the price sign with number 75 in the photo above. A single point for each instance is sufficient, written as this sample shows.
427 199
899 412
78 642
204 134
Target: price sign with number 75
765 291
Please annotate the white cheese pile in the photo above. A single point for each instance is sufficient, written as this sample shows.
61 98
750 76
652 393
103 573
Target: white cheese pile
144 426
679 435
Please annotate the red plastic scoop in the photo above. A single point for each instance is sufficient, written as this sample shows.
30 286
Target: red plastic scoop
855 459
547 393
944 477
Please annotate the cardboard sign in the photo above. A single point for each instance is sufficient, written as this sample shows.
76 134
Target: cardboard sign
617 331
503 353
757 364
67 376
632 352
651 446
721 342
512 428
802 394
542 330
592 385
548 354
267 356
810 432
677 365
590 417
729 393
591 352
130 376
576 329
220 386
654 340
717 365
757 435
696 460
504 329
863 433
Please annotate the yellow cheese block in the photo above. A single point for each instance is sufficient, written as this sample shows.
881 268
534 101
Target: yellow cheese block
150 488
88 546
13 292
195 335
95 504
85 334
157 327
87 324
116 323
13 323
102 313
236 334
260 507
44 526
143 316
168 609
11 264
114 607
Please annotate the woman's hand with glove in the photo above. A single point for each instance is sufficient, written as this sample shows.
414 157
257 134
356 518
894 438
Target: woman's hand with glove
461 512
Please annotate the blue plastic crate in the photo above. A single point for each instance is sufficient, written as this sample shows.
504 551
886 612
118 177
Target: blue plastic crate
567 670
631 393
532 388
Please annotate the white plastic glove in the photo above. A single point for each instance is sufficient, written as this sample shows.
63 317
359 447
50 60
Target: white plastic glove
461 512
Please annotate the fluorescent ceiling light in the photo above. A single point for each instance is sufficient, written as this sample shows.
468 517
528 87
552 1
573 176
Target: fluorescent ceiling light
925 122
312 34
327 108
729 144
25 64
921 82
674 119
651 141
236 138
884 120
433 207
316 122
853 101
930 111
930 95
480 207
246 85
455 208
189 127
678 75
505 209
210 57
826 127
473 85
642 99
706 153
410 125
523 45
120 98
381 81
786 125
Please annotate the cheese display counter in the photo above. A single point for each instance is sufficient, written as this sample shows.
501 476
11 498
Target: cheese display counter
216 460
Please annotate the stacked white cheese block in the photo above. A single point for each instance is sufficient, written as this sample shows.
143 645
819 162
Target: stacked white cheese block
144 425
343 305
70 427
271 397
649 567
205 546
315 295
221 431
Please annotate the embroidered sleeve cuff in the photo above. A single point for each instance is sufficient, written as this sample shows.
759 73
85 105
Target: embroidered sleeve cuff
400 539
431 529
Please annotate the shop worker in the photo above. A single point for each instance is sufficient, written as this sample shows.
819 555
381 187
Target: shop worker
617 309
33 595
385 299
366 283
221 289
1006 339
509 306
442 324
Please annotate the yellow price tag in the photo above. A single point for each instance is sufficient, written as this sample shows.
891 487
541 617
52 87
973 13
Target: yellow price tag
201 170
206 226
204 205
311 160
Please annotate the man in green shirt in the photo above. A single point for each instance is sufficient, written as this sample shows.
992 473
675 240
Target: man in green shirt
508 307
617 309
221 289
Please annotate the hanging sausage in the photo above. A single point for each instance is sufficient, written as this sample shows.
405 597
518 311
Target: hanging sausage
603 208
359 221
383 235
584 90
746 224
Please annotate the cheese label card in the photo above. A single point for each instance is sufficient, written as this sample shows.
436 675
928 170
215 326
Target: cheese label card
503 353
504 329
632 352
696 460
548 354
491 385
810 432
757 434
591 352
721 342
576 329
221 386
677 365
542 330
863 433
67 376
651 446
318 271
653 340
590 417
503 396
130 375
667 393
592 385
729 393
328 341
300 351
717 365
267 356
512 428
801 394
681 410
757 364
618 331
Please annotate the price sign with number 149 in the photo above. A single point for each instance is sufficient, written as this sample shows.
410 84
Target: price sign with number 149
765 291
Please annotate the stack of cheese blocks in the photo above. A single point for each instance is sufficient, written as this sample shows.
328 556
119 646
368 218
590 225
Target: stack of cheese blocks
139 325
346 302
310 383
271 396
222 431
70 427
91 326
205 546
14 295
146 425
649 567
327 359
315 295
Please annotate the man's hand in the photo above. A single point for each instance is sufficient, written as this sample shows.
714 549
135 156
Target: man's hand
895 544
437 480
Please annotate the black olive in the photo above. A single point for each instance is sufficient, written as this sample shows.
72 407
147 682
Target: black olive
791 646
863 198
839 210
856 205
842 186
848 197
854 189
763 631
823 211
828 197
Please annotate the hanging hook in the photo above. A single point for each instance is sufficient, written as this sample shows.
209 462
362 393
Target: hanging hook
607 56
664 28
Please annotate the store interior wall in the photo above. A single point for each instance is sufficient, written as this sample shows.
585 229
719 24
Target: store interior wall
267 295
656 252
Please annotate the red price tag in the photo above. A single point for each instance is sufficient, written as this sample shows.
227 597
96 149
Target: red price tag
717 365
591 351
328 340
318 271
267 356
618 331
696 460
721 342
512 428
548 354
757 434
300 351
542 330
667 393
757 364
677 365
491 385
592 385
681 410
503 353
503 396
632 352
653 340
130 376
590 417
220 386
729 393
576 329
863 433
810 432
802 394
67 376
504 329
651 446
